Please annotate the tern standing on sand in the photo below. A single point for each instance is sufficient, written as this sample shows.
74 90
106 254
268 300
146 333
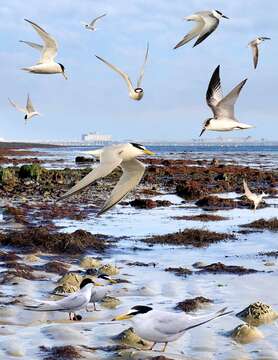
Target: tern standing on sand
222 107
46 64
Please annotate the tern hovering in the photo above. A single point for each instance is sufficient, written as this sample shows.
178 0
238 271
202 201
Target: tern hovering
92 24
207 22
255 48
123 155
29 110
222 107
256 199
70 304
134 93
46 64
162 326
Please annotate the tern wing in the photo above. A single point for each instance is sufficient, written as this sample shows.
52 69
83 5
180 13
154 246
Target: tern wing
225 107
33 45
29 105
96 19
50 48
68 303
247 191
210 25
109 160
133 170
193 33
255 51
143 67
120 72
17 106
214 92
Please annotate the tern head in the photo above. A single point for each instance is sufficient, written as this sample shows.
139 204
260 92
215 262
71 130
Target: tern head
26 117
263 194
218 14
63 71
140 149
107 278
139 90
205 125
88 281
135 310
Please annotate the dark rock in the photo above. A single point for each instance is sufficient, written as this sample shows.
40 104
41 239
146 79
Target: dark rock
67 352
32 171
193 304
201 217
55 267
84 160
180 271
219 268
149 203
271 224
190 190
216 203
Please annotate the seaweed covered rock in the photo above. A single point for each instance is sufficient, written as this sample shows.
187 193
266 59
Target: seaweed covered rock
257 314
149 203
220 268
190 190
89 262
32 171
271 224
128 337
109 269
193 304
245 334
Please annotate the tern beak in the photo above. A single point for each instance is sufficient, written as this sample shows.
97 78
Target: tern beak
98 284
203 130
225 17
122 317
112 281
149 152
65 76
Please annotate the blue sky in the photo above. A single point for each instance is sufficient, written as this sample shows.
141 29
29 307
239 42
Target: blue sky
95 98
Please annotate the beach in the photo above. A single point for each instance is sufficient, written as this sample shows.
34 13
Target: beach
186 232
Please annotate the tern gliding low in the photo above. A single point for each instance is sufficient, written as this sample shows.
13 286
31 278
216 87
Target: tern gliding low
255 48
123 155
29 110
162 326
222 107
134 93
256 199
207 22
46 64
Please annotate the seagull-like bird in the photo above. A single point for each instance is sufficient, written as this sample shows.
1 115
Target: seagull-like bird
91 26
29 110
123 155
70 304
256 199
134 93
254 44
207 22
222 107
46 64
164 327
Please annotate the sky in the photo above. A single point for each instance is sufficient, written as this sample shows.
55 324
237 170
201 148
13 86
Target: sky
94 98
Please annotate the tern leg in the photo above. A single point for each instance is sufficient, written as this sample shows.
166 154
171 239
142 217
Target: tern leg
153 345
95 308
165 346
70 315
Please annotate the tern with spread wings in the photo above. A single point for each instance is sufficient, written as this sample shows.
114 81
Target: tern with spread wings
91 26
222 107
46 63
256 199
134 93
70 304
29 110
162 326
123 155
254 44
207 22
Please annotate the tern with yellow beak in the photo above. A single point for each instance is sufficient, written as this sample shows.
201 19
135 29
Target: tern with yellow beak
70 304
123 155
46 64
162 326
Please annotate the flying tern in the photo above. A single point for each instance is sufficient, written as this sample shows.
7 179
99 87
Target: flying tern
164 327
207 22
91 26
254 44
222 107
256 199
134 93
123 155
46 64
29 110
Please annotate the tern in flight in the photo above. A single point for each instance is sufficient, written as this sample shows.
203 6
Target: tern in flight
256 199
91 26
254 44
29 110
222 107
207 22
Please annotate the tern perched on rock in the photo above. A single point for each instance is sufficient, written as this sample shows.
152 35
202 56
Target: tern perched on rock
256 199
46 64
207 22
254 44
123 155
70 304
134 93
91 26
222 107
164 327
29 110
